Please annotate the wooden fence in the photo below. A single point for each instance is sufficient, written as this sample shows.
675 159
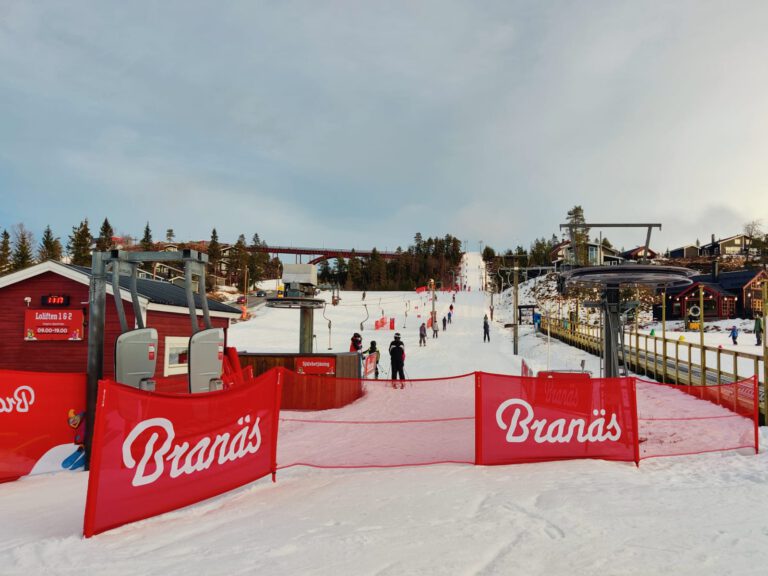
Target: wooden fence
312 392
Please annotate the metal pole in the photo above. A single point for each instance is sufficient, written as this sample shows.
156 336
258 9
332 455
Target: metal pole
610 332
516 314
97 297
306 329
765 353
703 353
664 334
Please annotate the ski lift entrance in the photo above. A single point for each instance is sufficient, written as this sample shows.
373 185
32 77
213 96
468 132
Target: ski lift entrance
136 350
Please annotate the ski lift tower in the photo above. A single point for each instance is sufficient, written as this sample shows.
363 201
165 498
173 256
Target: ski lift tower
300 281
611 278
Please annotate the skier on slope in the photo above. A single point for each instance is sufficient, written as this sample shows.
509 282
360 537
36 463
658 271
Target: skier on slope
486 329
445 323
734 334
422 335
397 360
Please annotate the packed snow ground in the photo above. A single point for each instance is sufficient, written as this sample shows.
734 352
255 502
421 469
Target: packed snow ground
684 515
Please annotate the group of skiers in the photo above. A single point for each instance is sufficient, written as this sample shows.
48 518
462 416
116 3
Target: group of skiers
397 348
396 355
435 327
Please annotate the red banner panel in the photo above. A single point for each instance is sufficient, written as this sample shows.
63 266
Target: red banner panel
325 366
41 422
53 325
153 453
560 417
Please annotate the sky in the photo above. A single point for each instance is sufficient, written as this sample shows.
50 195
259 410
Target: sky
358 124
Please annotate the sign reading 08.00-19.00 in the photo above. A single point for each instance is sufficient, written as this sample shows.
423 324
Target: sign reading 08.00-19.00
53 325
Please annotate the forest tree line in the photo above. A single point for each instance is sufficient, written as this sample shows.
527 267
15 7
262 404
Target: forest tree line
238 263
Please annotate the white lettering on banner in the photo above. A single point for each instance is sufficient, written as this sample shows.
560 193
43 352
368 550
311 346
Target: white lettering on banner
223 448
23 397
557 431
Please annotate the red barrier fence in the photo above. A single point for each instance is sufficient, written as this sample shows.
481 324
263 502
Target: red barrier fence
153 453
42 422
555 418
526 370
679 420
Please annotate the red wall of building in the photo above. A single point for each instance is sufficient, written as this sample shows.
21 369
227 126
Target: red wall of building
170 324
72 356
52 355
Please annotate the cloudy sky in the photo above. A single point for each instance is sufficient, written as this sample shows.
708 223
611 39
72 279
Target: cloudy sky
360 123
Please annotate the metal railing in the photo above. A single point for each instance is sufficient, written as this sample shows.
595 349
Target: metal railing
676 362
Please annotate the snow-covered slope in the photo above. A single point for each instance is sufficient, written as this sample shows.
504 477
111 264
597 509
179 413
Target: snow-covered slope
687 515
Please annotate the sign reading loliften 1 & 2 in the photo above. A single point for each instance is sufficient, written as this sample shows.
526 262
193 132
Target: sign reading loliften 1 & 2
53 325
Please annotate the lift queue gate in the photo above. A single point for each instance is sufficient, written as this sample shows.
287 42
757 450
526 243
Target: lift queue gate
136 349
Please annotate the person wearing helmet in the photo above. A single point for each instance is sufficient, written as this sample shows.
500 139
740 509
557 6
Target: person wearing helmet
375 351
397 360
356 343
734 334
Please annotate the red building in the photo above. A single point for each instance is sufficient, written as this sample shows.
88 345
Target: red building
44 317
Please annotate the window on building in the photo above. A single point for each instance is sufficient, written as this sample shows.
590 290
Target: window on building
176 355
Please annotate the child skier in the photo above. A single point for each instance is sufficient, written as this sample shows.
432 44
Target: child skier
375 351
734 334
422 335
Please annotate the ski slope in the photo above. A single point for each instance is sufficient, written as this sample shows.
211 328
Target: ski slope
684 515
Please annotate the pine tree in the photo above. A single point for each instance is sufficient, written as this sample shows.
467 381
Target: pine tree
170 235
5 252
146 241
258 262
238 262
104 241
214 255
79 245
22 248
50 247
579 236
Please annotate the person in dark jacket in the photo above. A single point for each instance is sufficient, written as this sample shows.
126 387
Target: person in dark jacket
356 343
486 330
758 329
397 359
734 334
375 351
422 335
445 323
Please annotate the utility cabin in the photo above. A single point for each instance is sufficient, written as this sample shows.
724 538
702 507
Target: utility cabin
44 316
